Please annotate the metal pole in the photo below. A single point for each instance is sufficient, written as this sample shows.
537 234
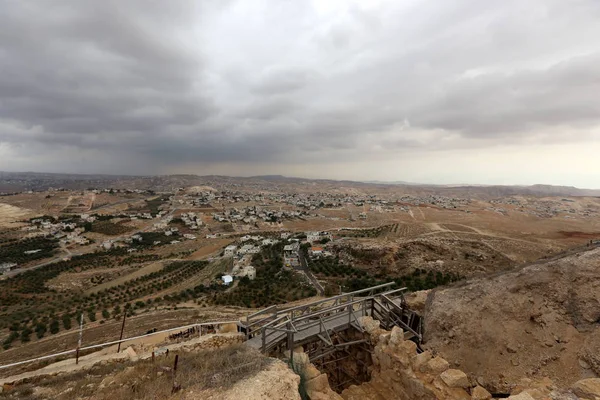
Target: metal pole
79 341
122 329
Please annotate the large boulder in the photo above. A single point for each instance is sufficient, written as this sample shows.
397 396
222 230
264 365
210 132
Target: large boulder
479 393
435 366
590 351
397 336
588 389
521 396
455 378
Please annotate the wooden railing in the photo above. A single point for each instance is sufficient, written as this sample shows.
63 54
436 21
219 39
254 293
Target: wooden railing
285 325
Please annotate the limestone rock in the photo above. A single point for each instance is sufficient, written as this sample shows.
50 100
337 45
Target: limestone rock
480 393
369 324
318 384
397 336
436 365
521 396
589 352
131 354
455 378
421 359
416 300
588 389
310 372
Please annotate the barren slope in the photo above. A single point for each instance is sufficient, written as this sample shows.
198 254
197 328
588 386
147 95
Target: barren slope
542 320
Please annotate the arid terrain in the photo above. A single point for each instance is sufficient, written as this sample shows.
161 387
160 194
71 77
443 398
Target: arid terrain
511 273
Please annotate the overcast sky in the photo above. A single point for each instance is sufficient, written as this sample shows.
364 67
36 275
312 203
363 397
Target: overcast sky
457 91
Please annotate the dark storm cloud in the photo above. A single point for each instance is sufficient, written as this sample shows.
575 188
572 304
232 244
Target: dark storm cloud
168 82
90 67
500 103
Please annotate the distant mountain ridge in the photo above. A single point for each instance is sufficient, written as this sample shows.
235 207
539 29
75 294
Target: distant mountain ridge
21 181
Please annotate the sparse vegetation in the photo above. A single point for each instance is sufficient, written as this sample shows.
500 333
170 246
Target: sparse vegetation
144 380
14 251
109 228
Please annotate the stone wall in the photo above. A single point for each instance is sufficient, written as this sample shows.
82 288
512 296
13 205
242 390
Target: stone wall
400 373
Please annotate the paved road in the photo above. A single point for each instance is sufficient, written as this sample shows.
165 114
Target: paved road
306 271
52 261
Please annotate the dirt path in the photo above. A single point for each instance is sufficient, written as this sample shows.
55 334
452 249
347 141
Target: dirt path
109 354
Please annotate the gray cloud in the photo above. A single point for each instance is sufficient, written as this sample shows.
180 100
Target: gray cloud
162 84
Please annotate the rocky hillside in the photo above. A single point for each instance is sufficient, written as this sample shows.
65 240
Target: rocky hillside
540 321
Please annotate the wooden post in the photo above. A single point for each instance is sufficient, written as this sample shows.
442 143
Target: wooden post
79 341
290 344
152 357
175 387
349 314
122 329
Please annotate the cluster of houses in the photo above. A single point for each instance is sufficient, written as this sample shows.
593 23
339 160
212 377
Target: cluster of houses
110 190
435 200
65 232
191 220
254 214
291 252
241 254
544 208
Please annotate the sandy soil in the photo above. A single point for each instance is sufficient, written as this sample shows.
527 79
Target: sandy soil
10 216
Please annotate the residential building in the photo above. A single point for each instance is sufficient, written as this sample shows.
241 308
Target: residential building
291 255
230 250
227 279
316 251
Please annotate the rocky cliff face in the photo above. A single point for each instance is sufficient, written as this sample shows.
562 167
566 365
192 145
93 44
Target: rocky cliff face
398 372
540 321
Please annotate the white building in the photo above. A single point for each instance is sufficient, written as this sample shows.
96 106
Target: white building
291 256
230 250
245 249
316 251
227 279
312 237
250 272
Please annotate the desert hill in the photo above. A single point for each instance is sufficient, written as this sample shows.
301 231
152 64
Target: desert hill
542 320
